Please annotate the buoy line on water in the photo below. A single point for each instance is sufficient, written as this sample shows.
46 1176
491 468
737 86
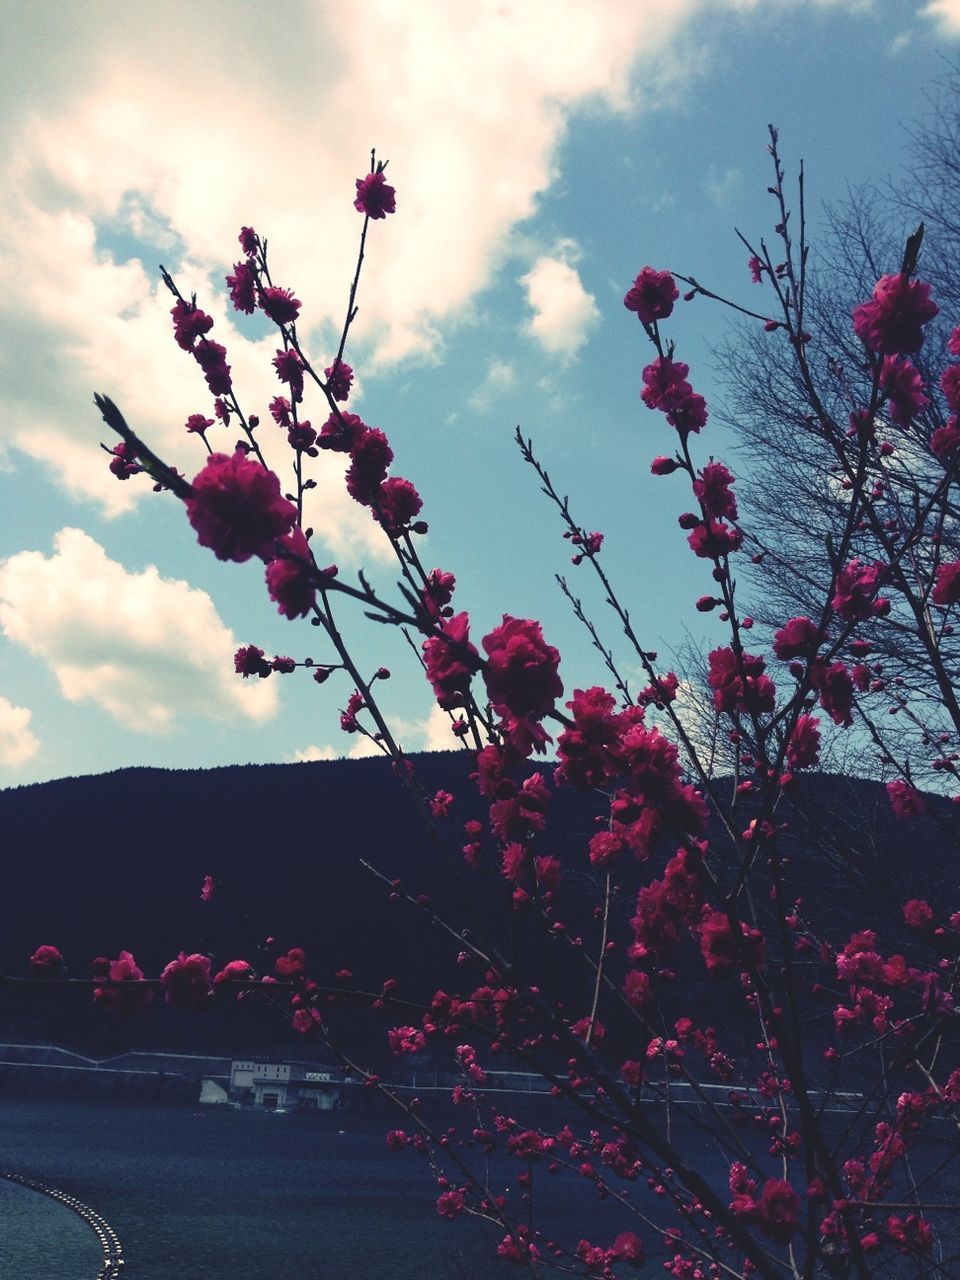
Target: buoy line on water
113 1260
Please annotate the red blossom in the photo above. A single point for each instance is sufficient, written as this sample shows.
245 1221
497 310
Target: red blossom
289 369
186 981
189 323
652 295
835 687
891 321
249 661
291 578
711 539
293 963
917 913
712 487
47 962
803 749
398 503
236 508
339 377
778 1210
451 661
374 198
797 638
904 388
857 585
665 385
279 304
946 587
129 998
905 800
950 386
243 287
521 669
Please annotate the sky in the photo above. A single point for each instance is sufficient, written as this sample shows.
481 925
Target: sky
543 151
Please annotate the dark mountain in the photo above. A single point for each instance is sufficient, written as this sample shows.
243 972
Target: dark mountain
115 862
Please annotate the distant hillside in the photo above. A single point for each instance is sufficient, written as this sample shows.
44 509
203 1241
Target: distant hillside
100 864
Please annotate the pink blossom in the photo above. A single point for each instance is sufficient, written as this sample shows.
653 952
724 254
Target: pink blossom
289 369
857 585
279 304
756 269
47 962
803 749
398 504
711 539
946 587
778 1210
628 1247
250 661
186 981
712 487
689 415
663 466
665 384
236 508
636 988
891 321
197 423
835 687
212 359
248 240
652 295
291 579
950 386
123 462
374 198
234 971
370 455
206 893
450 1204
905 800
797 638
904 388
189 323
293 963
945 439
917 913
130 998
451 661
243 287
521 669
739 685
406 1040
339 377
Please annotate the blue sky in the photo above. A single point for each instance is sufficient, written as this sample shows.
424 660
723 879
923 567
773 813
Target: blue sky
543 152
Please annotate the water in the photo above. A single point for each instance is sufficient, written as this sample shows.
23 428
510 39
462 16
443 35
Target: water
218 1194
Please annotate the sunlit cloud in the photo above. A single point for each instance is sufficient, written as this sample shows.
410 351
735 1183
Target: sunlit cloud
18 743
149 651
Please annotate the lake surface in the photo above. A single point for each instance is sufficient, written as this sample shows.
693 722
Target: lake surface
213 1193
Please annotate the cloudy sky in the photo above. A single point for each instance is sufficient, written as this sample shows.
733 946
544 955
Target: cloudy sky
542 152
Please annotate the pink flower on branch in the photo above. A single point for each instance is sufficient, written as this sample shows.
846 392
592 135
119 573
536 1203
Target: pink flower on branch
521 669
891 322
652 295
374 198
451 661
291 577
186 981
236 508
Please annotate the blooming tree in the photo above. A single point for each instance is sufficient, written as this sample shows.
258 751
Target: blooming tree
597 1013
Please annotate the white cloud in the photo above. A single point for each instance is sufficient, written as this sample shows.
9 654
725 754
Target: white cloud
432 733
564 313
469 102
17 743
500 377
721 185
945 13
313 753
146 649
